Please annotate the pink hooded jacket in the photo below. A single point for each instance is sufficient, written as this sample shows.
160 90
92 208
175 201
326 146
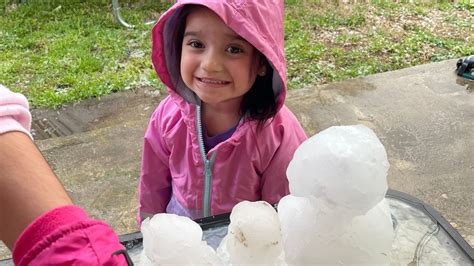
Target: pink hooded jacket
177 176
65 235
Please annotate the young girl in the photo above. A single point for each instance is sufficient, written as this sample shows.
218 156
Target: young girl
223 134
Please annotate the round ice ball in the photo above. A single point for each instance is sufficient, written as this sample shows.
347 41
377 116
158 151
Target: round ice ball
255 223
254 235
169 238
344 165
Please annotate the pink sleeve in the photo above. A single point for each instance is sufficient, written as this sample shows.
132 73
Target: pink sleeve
274 181
154 191
67 236
14 113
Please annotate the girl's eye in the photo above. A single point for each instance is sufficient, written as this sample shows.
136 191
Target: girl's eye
195 44
234 50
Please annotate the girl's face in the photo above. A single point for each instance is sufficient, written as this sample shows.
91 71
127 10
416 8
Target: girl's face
216 63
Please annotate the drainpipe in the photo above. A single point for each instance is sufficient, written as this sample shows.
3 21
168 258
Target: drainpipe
116 11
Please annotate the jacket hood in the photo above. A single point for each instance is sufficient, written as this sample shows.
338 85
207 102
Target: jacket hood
259 22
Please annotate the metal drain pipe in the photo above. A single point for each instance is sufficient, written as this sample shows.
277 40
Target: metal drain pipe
118 17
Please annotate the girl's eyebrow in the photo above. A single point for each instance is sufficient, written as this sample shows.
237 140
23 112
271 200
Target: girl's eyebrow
235 37
190 33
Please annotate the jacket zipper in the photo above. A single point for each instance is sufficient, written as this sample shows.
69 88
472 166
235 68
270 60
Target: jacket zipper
206 201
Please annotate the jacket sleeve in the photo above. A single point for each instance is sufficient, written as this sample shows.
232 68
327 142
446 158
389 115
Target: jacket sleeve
154 189
67 236
274 182
14 113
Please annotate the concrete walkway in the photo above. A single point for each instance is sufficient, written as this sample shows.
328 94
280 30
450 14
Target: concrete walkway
423 115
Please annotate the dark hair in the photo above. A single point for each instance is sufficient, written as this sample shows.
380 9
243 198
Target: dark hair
259 103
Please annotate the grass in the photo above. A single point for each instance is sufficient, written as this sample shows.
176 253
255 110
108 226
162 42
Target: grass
57 53
329 41
63 51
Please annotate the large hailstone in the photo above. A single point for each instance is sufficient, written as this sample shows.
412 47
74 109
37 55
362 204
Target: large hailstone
172 239
254 236
336 213
345 165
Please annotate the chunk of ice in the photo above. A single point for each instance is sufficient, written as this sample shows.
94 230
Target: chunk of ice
336 213
365 240
298 222
346 166
173 239
254 235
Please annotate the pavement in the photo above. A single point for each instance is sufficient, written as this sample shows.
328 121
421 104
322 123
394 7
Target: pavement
423 115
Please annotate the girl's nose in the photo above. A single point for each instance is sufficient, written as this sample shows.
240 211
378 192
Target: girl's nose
212 62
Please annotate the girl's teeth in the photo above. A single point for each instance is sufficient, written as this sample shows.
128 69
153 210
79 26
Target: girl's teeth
213 81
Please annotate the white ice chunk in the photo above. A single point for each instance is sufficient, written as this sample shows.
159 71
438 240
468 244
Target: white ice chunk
254 236
336 213
298 226
345 165
367 240
172 239
310 239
